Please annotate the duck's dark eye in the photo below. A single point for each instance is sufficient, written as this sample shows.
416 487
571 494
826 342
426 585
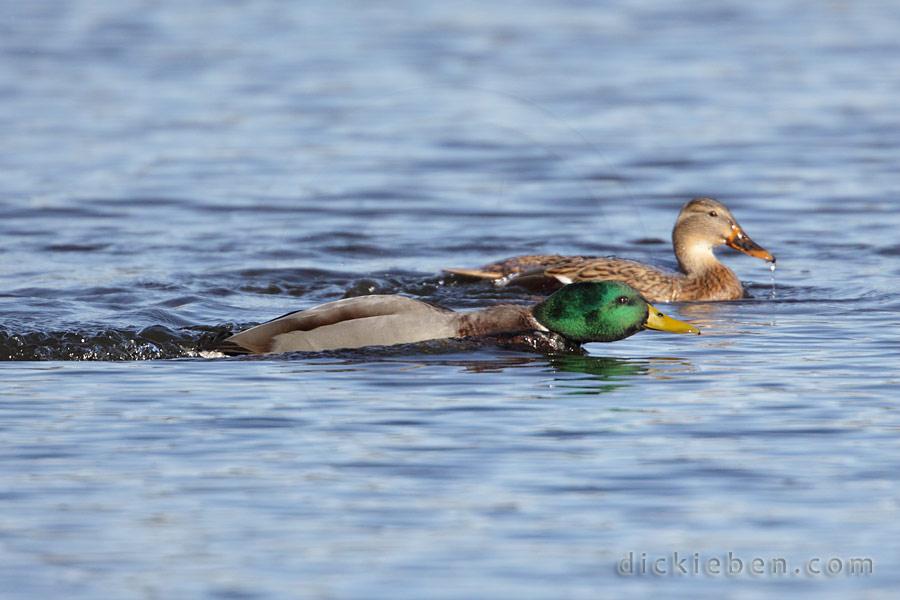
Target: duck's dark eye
713 213
622 300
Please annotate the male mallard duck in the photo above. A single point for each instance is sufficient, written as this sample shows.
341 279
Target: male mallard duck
702 224
590 311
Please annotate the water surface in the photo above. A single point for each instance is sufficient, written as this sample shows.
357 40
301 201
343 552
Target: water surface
173 171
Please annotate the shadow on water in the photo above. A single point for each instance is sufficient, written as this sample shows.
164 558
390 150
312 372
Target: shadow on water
576 374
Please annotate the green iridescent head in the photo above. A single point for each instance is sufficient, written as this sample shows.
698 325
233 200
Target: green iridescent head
602 311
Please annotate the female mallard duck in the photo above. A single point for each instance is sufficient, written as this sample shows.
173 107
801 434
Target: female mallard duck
590 311
702 225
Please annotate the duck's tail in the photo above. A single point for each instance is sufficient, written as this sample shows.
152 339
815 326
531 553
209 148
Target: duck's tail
477 273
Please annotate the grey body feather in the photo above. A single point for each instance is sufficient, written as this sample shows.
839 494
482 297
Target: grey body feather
375 321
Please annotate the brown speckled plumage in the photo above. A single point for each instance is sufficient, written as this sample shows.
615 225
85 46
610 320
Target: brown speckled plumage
702 224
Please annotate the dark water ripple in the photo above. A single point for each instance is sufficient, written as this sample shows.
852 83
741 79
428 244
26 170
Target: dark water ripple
153 342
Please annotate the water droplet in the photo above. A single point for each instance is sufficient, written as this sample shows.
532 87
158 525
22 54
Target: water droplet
772 268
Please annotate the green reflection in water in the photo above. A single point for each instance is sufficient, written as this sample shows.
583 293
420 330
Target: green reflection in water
605 374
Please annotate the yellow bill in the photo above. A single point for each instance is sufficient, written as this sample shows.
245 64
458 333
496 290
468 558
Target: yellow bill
657 320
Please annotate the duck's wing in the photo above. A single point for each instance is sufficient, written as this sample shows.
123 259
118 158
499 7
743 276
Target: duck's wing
546 272
596 268
509 268
655 285
350 323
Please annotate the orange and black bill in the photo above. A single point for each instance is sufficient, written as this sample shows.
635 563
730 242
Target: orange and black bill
741 241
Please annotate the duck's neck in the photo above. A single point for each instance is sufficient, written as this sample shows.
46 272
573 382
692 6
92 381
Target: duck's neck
497 319
694 257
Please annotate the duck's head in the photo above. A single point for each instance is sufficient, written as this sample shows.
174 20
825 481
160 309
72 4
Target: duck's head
703 224
602 311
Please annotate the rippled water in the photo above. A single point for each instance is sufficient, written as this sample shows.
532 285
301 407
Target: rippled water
172 171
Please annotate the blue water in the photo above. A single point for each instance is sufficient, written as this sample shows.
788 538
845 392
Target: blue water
172 171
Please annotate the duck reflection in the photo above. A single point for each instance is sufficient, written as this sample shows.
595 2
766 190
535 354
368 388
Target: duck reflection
606 373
